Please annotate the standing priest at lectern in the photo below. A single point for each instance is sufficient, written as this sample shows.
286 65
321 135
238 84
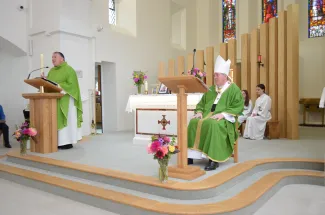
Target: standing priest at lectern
212 132
69 108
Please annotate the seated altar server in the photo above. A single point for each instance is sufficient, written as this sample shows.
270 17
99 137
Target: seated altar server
256 123
212 132
69 108
322 99
248 106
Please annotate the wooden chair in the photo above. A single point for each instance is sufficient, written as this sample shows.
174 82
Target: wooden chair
235 153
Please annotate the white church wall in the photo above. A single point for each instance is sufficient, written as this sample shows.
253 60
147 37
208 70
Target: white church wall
13 22
109 96
143 52
13 71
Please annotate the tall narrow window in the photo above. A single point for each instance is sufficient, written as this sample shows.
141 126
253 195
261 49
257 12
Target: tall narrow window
316 18
228 19
269 10
111 12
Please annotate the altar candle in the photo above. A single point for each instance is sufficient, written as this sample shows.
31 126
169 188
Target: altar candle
42 63
145 86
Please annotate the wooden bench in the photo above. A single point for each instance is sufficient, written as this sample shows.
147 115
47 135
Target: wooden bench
272 130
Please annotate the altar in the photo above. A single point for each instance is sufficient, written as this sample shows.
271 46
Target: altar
157 114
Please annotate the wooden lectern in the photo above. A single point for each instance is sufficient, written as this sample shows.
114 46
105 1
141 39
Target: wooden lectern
43 115
182 85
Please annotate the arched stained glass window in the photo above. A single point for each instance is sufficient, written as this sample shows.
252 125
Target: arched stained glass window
111 12
316 18
228 20
269 10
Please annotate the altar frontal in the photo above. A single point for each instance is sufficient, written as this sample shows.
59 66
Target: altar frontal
157 114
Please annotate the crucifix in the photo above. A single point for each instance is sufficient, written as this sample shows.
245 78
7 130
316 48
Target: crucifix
164 122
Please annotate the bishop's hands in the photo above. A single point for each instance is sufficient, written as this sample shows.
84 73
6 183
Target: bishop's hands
197 116
218 116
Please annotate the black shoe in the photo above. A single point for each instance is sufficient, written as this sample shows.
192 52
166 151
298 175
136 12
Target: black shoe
189 161
211 166
8 145
68 146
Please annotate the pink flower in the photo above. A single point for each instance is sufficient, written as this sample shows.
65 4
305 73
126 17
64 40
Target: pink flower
32 132
149 149
200 74
166 139
164 149
155 146
136 79
17 134
145 77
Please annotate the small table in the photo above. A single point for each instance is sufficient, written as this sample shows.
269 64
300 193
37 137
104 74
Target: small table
311 105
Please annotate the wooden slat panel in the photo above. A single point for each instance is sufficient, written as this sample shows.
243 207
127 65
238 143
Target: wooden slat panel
254 51
273 66
180 65
189 61
293 71
224 51
245 63
232 55
32 122
46 124
54 126
282 72
200 60
264 51
171 67
161 70
210 66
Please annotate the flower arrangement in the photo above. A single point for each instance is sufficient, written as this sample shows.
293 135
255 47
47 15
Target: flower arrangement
138 78
162 147
23 134
196 73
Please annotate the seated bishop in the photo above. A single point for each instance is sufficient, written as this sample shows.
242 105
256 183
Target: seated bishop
211 131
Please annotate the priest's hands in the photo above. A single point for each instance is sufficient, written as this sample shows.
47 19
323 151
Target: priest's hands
218 116
42 75
197 116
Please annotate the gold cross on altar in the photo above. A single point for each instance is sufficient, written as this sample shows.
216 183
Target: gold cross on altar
164 122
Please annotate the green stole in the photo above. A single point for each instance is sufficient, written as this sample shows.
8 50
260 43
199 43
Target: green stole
66 77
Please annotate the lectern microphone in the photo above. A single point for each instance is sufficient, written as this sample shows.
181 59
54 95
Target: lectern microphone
36 70
193 57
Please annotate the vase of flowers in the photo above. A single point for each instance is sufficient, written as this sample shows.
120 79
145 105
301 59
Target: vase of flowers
22 134
197 73
162 147
138 78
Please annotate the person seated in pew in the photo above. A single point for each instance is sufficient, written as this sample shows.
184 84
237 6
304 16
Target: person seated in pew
4 128
256 123
212 131
248 107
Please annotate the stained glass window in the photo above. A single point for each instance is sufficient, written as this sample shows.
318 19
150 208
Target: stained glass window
111 12
269 10
316 18
228 19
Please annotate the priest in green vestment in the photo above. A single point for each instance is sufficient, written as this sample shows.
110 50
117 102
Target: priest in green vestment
211 131
69 107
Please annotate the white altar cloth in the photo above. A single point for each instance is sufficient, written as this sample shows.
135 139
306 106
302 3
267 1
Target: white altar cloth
150 109
160 101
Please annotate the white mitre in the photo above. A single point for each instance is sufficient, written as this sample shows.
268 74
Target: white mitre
222 66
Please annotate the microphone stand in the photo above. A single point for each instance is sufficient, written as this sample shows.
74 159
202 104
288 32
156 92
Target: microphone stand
36 70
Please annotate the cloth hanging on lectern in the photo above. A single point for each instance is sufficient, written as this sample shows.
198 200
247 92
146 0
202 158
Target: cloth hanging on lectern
212 138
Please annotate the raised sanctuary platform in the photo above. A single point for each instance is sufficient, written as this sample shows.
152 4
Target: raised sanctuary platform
110 172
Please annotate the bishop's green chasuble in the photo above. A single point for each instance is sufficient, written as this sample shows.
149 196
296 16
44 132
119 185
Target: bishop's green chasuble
66 77
213 138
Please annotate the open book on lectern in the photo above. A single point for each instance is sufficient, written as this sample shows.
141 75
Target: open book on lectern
55 84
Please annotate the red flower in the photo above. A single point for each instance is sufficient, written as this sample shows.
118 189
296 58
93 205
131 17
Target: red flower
160 153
